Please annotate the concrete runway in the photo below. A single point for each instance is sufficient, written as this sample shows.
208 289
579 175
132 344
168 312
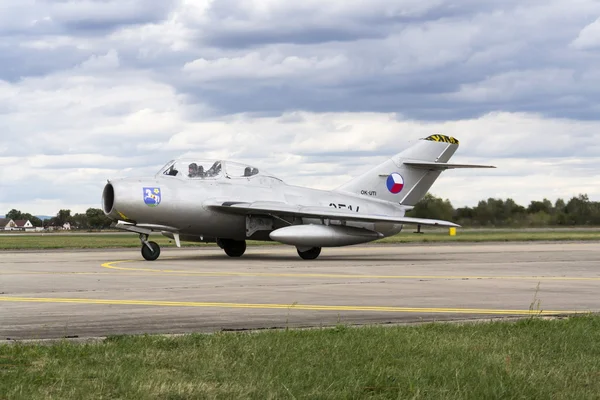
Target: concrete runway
96 293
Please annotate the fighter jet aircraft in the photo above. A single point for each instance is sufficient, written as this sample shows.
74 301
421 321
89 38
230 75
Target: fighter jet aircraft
228 203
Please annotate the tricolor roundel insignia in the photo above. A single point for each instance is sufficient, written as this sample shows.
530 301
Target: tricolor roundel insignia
152 196
395 183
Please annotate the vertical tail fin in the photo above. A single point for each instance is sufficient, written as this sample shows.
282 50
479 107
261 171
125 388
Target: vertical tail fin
398 182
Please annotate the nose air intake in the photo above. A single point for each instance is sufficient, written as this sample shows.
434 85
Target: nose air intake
108 198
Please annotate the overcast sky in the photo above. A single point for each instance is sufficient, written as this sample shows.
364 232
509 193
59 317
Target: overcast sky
313 91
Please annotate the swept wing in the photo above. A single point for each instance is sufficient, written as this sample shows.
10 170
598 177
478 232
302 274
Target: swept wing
291 210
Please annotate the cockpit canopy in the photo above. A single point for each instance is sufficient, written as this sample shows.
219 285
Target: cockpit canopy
194 169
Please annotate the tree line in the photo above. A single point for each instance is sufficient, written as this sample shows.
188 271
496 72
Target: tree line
577 211
93 218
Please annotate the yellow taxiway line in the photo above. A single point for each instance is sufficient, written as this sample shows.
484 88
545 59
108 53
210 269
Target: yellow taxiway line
294 306
113 265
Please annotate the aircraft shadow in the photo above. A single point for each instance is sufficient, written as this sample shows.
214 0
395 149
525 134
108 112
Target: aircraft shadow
292 257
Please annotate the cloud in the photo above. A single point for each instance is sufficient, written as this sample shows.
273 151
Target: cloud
589 37
409 57
312 149
241 25
313 91
409 61
31 17
253 66
38 37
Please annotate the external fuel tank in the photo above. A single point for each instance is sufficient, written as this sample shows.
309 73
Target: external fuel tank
323 235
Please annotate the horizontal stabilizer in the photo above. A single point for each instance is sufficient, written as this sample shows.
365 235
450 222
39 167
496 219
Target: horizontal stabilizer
435 166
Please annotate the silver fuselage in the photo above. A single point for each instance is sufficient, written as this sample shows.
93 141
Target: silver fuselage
181 205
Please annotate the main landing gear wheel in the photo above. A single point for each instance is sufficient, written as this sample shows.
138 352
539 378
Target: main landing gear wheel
233 248
309 254
152 252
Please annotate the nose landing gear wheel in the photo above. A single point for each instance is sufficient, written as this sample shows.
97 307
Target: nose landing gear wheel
310 254
234 248
151 254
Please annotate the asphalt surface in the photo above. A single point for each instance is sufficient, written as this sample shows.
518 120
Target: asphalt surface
97 293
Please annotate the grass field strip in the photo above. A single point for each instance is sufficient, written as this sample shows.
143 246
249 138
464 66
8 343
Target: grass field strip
114 265
267 306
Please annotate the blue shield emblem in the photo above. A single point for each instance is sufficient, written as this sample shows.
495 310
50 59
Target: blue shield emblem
152 196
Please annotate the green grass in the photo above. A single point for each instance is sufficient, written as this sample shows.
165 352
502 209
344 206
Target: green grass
529 359
98 241
77 241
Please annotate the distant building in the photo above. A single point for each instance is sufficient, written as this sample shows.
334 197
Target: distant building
64 227
7 224
24 225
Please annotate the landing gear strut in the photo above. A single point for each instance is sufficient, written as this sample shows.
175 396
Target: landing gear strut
309 254
150 250
233 248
